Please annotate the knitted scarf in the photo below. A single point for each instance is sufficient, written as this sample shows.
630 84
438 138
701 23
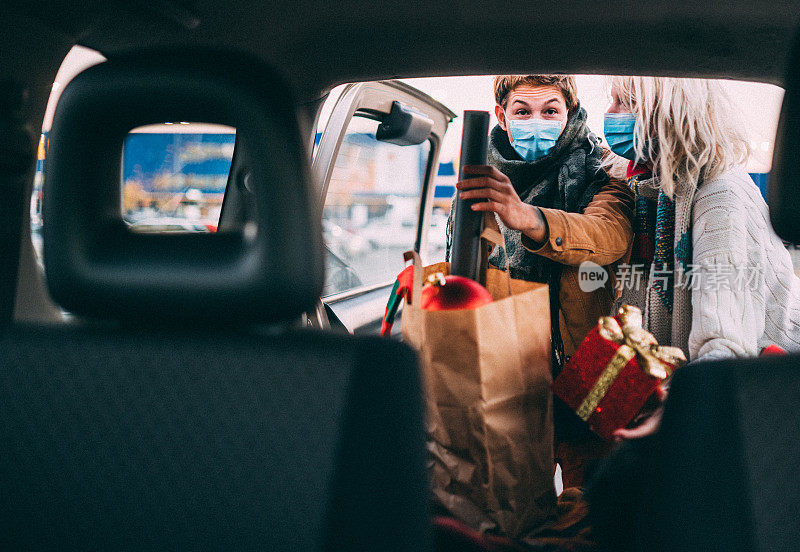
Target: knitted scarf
567 179
663 244
644 220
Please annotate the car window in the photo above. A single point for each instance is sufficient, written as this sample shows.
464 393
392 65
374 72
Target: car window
371 208
174 176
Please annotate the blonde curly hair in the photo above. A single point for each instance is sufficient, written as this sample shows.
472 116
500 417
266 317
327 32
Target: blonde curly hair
687 128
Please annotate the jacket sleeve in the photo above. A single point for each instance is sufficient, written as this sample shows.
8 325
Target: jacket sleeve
603 233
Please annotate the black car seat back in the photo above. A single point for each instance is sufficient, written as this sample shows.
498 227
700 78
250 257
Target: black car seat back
142 441
724 475
179 410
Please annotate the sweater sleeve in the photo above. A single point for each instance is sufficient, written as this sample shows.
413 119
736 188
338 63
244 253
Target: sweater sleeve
727 318
601 234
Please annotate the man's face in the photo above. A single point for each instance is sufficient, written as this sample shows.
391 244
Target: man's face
532 102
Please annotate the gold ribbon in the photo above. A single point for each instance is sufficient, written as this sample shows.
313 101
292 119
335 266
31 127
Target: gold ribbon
634 341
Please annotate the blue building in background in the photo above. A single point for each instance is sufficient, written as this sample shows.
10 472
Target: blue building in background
173 162
163 163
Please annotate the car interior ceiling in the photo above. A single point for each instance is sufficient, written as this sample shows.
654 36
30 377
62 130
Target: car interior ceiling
315 47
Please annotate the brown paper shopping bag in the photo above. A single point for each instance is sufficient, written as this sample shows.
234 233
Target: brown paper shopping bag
487 373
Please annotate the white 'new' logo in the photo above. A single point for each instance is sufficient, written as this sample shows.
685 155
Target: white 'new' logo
591 276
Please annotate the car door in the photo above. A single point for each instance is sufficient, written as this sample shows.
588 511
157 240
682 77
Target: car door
374 166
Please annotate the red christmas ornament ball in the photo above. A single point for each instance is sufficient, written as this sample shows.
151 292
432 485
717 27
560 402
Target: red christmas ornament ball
453 293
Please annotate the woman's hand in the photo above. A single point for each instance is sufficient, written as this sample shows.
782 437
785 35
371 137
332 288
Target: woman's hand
649 427
500 197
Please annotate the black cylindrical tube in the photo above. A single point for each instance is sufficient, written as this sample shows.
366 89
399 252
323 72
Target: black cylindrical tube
465 252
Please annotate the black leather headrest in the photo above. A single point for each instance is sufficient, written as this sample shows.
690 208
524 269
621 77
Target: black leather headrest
784 192
95 265
721 474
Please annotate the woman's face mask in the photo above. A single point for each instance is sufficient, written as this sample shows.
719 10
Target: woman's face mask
534 138
618 129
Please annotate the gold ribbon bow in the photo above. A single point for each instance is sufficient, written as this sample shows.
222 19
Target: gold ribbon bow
635 341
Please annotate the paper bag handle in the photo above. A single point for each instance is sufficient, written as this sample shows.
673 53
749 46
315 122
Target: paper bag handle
492 234
416 288
491 230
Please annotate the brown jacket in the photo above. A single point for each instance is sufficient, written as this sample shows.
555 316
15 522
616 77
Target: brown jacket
602 234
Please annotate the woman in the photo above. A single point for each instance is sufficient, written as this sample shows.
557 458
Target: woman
698 212
721 283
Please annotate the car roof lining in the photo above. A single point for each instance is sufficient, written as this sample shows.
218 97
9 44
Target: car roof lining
363 40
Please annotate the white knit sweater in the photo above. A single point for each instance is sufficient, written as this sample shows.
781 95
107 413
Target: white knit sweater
748 295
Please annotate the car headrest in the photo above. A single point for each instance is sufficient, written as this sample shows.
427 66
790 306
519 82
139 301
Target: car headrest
784 192
271 270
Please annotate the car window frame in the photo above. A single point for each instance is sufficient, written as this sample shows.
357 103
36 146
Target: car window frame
373 100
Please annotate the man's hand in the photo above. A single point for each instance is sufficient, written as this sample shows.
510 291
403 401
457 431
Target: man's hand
500 197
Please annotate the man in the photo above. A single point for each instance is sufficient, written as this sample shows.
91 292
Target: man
557 208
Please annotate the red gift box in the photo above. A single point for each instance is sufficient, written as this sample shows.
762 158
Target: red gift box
615 370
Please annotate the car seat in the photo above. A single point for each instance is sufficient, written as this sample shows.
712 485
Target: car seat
179 408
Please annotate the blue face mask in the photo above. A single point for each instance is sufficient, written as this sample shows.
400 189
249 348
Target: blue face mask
534 138
618 129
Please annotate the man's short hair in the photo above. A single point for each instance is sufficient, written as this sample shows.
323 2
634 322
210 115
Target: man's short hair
504 84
